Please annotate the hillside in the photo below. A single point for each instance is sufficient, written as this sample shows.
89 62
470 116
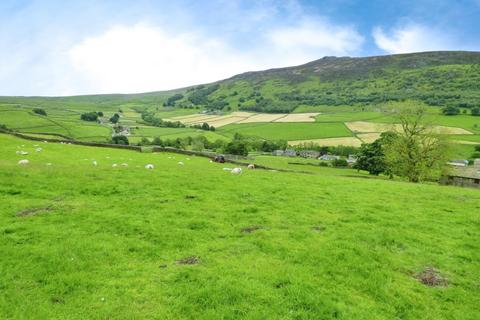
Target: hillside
435 78
333 92
98 242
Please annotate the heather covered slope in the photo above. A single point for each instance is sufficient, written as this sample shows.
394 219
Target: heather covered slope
196 242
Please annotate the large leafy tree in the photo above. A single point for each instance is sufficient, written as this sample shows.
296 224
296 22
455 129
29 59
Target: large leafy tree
416 152
371 156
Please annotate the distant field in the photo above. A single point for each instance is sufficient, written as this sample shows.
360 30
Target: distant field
328 129
288 131
365 127
244 117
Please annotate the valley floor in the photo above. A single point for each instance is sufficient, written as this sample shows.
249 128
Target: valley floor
80 241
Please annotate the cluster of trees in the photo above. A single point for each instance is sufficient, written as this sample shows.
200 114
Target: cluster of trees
89 116
199 95
205 126
240 145
115 118
454 110
150 119
476 153
414 152
40 111
119 140
171 100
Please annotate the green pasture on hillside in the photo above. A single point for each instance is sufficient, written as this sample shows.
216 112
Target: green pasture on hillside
197 242
288 131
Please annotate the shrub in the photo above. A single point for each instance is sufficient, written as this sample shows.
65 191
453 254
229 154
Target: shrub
120 140
40 111
340 163
475 111
89 116
450 111
114 119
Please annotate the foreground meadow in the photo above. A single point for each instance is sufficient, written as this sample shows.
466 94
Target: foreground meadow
80 241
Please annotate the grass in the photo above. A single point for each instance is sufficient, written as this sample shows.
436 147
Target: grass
288 131
64 118
102 242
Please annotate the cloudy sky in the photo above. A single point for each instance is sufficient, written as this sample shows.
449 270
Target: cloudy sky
66 47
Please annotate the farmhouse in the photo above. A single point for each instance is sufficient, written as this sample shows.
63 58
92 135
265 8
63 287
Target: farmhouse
329 157
278 153
464 176
290 153
286 153
309 154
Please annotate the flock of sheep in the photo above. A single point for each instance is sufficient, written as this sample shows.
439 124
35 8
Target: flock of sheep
94 162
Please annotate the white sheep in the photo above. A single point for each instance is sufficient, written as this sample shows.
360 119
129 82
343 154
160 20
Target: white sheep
114 165
94 163
23 153
149 166
49 164
227 169
236 170
23 162
251 166
124 164
38 149
180 163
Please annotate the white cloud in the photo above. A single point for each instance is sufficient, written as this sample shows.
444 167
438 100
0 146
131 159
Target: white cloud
412 38
146 58
315 39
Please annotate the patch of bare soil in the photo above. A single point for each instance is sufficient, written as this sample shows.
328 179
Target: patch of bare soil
251 229
189 260
431 277
34 211
57 300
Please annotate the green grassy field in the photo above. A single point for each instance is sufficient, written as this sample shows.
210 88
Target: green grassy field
85 242
288 131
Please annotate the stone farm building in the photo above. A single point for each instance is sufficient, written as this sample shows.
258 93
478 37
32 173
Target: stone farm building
464 176
309 154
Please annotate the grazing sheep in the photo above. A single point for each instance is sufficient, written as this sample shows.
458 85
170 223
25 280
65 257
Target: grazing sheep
180 163
35 145
124 164
38 149
227 169
188 158
49 164
251 166
114 165
23 153
149 166
94 163
23 162
236 170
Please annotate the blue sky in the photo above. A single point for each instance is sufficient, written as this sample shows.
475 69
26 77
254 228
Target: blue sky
53 47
